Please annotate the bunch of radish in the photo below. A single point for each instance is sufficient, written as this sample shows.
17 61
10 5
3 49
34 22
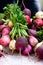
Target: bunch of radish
26 38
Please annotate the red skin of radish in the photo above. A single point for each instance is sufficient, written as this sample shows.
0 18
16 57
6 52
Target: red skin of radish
21 43
38 22
33 41
27 12
39 51
28 19
27 50
5 40
6 31
2 27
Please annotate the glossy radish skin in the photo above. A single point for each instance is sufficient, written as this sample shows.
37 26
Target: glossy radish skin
32 32
27 50
21 43
39 50
38 22
28 19
6 31
5 40
33 41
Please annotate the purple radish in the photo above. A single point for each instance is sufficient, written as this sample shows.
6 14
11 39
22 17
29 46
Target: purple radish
32 32
26 10
39 50
21 43
27 50
33 27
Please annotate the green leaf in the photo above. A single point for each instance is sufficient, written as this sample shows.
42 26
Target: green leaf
1 16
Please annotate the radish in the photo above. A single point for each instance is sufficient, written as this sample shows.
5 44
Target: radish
2 26
26 10
32 32
38 22
5 40
39 50
10 24
21 43
27 50
28 19
6 31
33 27
39 14
12 45
33 41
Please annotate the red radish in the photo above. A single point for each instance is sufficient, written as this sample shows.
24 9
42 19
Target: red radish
27 50
6 31
21 43
28 19
39 50
5 40
38 22
33 41
2 26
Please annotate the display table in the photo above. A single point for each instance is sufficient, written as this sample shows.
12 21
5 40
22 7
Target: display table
20 60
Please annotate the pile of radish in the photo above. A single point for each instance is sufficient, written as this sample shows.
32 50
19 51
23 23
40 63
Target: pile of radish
21 33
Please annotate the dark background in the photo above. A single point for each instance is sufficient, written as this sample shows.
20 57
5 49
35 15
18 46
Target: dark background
30 4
